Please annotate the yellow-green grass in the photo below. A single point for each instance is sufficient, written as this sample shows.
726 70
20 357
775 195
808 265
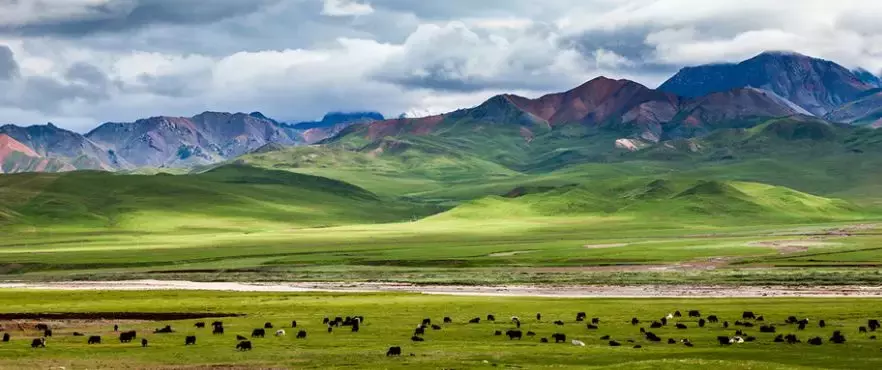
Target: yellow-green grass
391 318
239 222
466 251
224 199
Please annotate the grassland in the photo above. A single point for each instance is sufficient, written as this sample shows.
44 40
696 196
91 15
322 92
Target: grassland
586 249
242 223
442 209
783 203
229 197
390 319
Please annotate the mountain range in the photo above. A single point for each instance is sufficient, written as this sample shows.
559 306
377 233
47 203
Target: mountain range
163 141
819 86
603 114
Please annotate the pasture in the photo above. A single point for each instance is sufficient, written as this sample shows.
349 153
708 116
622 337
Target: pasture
632 223
390 320
461 251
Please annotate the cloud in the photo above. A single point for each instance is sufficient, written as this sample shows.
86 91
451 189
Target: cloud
8 65
454 57
81 62
80 83
689 32
346 8
74 18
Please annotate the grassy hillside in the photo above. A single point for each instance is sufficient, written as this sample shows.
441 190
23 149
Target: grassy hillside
389 167
228 197
465 160
689 202
532 204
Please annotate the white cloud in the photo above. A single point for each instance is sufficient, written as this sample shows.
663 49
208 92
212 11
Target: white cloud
296 59
511 23
455 57
346 8
609 59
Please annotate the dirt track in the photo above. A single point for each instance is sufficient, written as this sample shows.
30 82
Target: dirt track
569 291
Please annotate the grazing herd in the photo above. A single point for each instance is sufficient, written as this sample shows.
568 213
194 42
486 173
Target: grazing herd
749 321
695 319
217 329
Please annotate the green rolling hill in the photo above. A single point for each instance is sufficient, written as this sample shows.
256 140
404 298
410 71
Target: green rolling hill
690 201
806 154
227 197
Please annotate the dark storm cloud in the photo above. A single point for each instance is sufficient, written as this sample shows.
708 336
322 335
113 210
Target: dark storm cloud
8 65
215 27
629 43
451 75
46 94
125 15
445 77
87 74
81 81
171 85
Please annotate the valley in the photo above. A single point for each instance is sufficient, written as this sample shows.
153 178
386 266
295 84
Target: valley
612 197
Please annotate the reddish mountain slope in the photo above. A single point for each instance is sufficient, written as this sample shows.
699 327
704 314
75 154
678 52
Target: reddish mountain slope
51 141
8 145
17 157
400 126
598 101
621 106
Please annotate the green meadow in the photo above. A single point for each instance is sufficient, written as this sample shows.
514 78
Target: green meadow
390 320
784 203
245 223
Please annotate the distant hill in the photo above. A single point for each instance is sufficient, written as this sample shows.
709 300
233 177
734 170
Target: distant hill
335 118
817 85
598 121
173 142
866 110
178 141
868 77
228 196
555 129
331 124
16 157
680 199
63 145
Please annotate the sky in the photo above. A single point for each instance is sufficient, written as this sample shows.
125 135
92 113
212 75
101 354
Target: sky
79 63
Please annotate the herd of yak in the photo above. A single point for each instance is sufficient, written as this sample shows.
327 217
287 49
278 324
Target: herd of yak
749 321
